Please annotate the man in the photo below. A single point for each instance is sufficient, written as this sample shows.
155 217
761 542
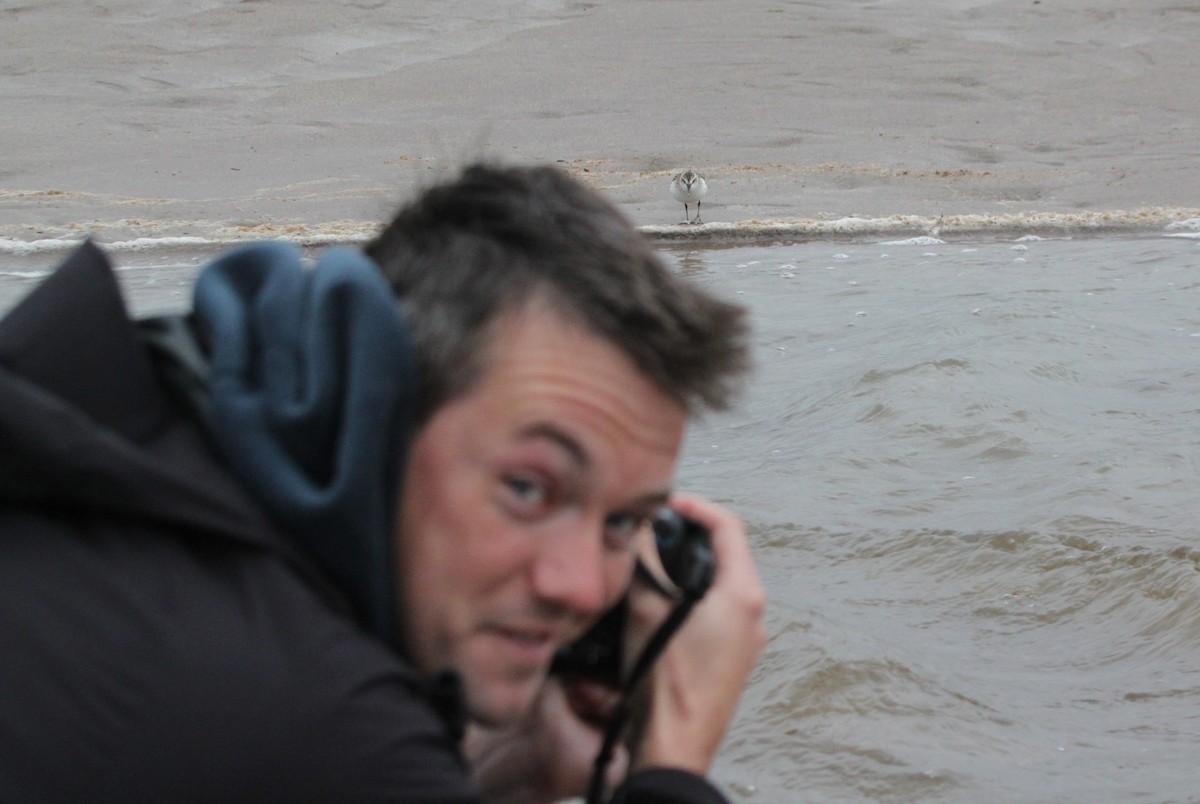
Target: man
251 565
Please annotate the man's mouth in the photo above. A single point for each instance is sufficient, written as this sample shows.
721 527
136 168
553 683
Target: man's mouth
533 646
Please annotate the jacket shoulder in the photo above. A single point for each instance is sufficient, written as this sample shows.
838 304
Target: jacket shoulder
180 671
71 336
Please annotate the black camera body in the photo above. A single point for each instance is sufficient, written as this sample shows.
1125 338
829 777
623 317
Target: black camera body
685 552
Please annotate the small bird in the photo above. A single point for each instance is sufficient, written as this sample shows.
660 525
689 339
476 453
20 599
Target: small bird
688 188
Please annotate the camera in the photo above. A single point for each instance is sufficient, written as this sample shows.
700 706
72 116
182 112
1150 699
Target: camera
684 549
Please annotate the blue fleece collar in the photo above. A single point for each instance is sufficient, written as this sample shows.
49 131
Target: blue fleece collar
312 385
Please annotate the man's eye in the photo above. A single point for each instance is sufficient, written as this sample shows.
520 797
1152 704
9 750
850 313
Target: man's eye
527 490
620 530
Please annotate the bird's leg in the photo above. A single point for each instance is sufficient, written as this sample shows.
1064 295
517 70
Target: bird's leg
697 219
686 219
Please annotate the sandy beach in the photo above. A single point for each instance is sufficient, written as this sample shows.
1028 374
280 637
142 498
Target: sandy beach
256 118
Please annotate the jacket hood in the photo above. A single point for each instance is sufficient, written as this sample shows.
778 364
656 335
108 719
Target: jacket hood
310 385
85 426
311 392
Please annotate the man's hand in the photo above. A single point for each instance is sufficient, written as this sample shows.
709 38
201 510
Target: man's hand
548 754
695 684
683 707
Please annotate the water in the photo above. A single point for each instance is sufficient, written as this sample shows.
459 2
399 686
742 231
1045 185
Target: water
969 470
155 280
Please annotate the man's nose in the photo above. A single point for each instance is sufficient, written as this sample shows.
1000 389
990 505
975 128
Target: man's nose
571 570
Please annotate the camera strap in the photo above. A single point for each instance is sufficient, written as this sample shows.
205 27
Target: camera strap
619 717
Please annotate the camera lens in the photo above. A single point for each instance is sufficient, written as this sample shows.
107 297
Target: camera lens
685 551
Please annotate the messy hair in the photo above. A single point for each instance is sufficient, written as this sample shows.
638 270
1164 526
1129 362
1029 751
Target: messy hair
495 239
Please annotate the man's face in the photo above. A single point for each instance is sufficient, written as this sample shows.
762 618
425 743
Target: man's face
522 504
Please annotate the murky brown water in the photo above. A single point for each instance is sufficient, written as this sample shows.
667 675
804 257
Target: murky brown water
970 472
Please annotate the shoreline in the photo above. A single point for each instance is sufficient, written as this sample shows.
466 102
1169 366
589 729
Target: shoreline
145 236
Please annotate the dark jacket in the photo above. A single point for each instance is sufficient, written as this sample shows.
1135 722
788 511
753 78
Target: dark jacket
160 638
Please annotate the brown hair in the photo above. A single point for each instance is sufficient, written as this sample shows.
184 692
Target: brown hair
495 238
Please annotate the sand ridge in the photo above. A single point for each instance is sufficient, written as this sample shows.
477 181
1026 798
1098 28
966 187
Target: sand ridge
179 119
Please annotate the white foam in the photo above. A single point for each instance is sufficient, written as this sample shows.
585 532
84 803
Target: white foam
25 274
1022 225
10 245
1189 225
150 235
15 247
923 240
147 243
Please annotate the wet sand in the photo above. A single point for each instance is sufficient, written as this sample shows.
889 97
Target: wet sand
258 118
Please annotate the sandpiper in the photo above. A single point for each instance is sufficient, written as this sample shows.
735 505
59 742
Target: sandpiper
687 188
